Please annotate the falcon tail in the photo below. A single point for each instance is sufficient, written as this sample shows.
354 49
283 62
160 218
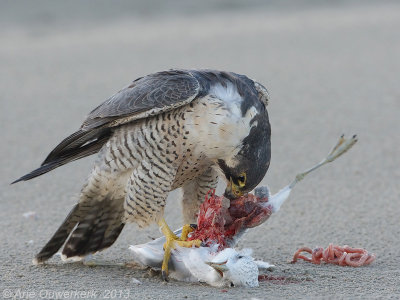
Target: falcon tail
87 229
78 145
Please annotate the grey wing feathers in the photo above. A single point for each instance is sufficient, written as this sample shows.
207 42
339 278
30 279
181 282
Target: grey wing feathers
146 96
78 145
76 140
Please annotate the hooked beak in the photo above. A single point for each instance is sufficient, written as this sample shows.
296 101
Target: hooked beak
232 190
219 267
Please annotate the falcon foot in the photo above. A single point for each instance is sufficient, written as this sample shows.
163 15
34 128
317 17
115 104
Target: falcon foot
173 241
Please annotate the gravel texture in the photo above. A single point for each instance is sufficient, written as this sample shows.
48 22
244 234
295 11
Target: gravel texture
330 70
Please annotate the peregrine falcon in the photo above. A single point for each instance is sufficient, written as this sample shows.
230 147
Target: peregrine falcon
171 129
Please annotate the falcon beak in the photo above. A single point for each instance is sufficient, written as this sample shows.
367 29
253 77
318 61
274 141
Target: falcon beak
232 190
219 267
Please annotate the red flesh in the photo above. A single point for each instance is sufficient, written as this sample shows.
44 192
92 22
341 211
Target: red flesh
219 219
342 256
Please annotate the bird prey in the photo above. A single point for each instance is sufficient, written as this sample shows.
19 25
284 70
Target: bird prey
210 263
171 129
228 265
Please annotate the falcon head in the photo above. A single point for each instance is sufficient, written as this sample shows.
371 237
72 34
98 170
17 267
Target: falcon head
245 170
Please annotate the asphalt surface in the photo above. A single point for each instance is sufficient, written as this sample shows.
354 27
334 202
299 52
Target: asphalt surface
330 70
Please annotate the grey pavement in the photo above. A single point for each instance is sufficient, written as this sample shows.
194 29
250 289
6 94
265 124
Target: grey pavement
330 69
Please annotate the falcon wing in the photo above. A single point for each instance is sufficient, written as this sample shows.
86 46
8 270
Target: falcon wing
146 96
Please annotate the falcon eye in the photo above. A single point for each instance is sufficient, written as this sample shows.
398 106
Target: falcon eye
240 256
242 179
232 285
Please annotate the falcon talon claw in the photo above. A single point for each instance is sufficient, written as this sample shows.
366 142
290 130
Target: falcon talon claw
164 276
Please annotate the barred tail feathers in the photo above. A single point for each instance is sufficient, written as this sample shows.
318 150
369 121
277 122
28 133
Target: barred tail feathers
88 228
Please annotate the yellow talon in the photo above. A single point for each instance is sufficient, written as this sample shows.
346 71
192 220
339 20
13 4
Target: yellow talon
186 229
171 241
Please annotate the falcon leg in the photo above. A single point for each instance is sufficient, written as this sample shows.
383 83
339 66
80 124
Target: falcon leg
194 193
172 241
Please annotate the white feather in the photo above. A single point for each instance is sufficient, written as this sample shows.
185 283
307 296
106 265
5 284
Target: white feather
230 96
276 200
194 260
190 264
264 266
